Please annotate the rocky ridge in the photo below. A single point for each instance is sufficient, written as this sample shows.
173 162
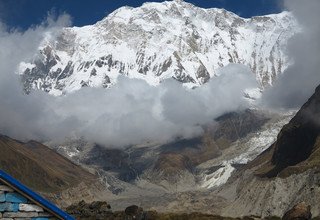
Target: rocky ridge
47 172
287 173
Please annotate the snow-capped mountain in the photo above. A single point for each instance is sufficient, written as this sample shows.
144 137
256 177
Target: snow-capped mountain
156 41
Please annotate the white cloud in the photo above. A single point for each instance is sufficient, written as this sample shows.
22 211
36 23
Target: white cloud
299 81
131 112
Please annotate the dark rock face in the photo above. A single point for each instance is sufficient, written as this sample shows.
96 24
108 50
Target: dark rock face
112 160
203 74
301 211
298 139
236 125
135 212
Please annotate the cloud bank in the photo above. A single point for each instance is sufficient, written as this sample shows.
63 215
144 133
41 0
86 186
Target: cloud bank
299 81
131 112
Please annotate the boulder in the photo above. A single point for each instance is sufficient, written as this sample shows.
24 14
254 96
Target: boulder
300 211
135 212
97 209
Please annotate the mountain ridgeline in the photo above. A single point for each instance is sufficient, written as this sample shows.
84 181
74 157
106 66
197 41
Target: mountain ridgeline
33 164
157 41
297 148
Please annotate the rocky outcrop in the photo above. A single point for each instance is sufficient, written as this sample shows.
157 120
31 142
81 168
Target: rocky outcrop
236 125
297 148
299 140
94 210
300 211
134 212
102 210
170 169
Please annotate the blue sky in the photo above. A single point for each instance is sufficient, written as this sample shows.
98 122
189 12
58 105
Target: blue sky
24 13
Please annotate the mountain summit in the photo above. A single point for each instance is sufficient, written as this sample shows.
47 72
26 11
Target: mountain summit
156 41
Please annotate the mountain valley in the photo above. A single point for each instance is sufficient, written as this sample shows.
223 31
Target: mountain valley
161 111
189 168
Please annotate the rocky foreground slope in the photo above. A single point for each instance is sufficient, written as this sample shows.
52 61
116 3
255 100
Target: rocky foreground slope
156 41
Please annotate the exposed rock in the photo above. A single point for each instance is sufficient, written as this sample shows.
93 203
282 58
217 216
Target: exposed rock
297 148
97 209
235 125
300 211
135 212
170 165
102 210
